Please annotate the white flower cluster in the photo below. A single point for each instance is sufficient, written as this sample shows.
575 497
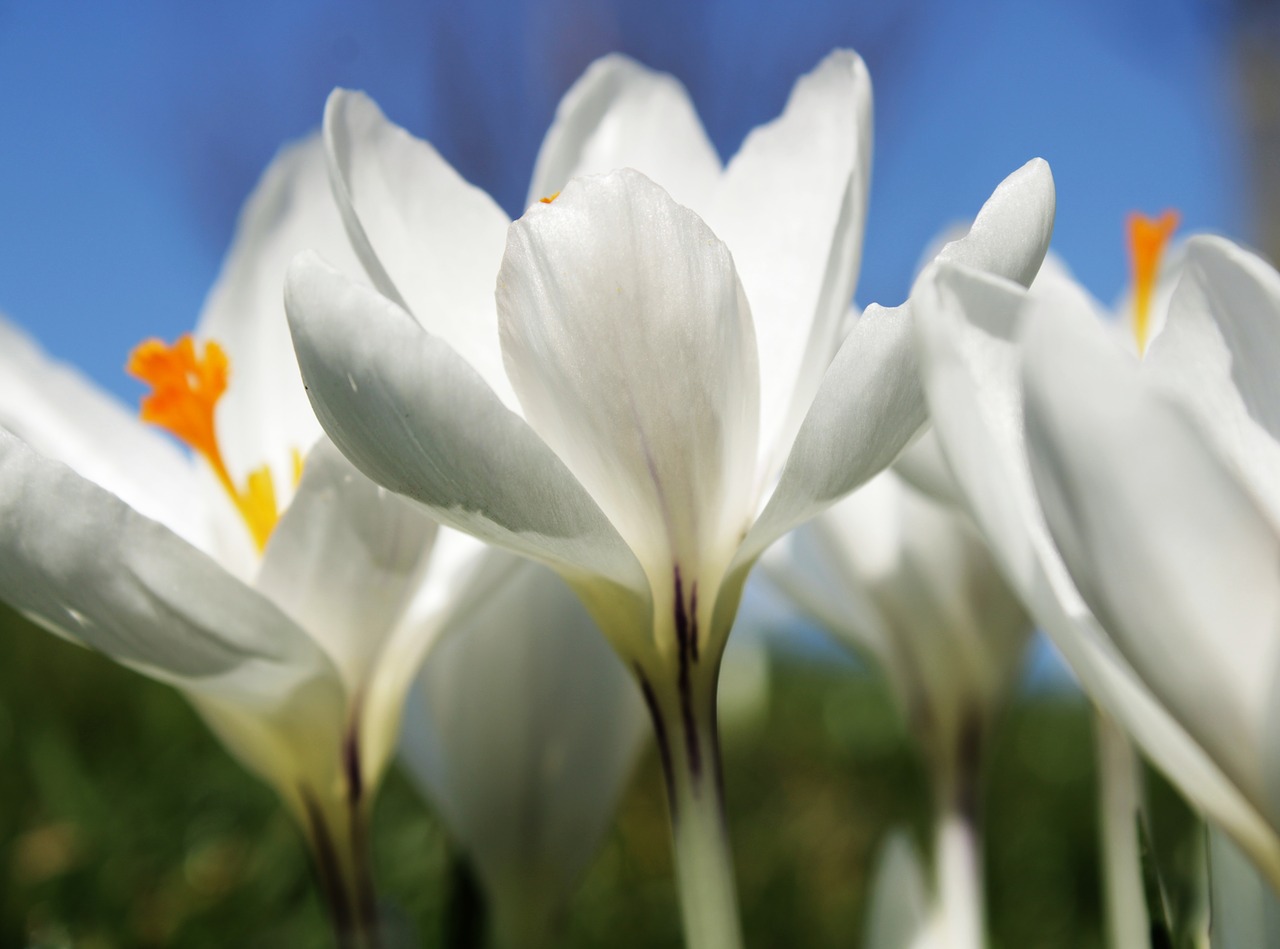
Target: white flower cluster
455 449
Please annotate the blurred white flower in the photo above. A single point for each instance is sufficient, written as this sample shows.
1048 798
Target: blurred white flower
1134 505
908 583
900 911
522 729
290 602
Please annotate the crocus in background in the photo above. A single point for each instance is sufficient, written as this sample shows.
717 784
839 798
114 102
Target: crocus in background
1133 504
631 413
907 583
522 730
899 908
292 612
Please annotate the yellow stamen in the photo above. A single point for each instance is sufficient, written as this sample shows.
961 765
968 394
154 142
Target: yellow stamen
549 198
1148 237
185 389
298 462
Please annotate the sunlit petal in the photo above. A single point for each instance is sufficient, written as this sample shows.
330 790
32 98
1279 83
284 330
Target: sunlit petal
621 114
417 419
629 342
428 240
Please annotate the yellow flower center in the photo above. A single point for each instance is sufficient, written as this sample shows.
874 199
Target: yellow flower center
549 198
185 389
1148 238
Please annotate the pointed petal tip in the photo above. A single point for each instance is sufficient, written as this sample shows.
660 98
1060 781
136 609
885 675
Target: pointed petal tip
1011 233
610 63
847 60
342 98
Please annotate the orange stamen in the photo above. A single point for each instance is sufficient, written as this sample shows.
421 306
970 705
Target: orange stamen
1148 238
186 388
549 198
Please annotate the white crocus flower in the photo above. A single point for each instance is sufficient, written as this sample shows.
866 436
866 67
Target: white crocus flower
1134 506
908 583
611 415
292 613
522 729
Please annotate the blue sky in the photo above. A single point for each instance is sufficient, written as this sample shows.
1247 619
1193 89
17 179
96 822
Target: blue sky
134 130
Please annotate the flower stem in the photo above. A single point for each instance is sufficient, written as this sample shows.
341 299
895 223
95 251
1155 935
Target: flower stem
1119 797
684 721
339 839
957 853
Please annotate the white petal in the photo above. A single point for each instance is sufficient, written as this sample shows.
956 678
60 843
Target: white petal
1010 235
923 466
1171 554
1244 910
907 581
345 560
1220 353
791 207
956 631
462 575
80 562
522 729
414 417
970 368
623 115
869 406
265 418
900 908
629 343
64 416
806 568
428 240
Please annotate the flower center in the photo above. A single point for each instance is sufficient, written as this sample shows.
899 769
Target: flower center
549 198
1148 238
185 389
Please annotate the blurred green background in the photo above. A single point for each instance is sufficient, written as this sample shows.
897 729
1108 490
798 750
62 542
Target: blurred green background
122 822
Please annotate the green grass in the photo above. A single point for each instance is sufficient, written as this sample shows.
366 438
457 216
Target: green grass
122 822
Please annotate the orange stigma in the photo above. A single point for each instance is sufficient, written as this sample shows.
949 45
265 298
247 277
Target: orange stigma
185 389
1148 238
549 198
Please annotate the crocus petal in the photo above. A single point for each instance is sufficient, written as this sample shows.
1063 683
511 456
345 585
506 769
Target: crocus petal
1173 557
628 340
80 562
900 915
791 207
1010 235
968 322
870 405
804 565
461 577
623 115
1220 352
344 561
907 582
429 241
923 466
65 417
264 417
416 418
1245 909
522 729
